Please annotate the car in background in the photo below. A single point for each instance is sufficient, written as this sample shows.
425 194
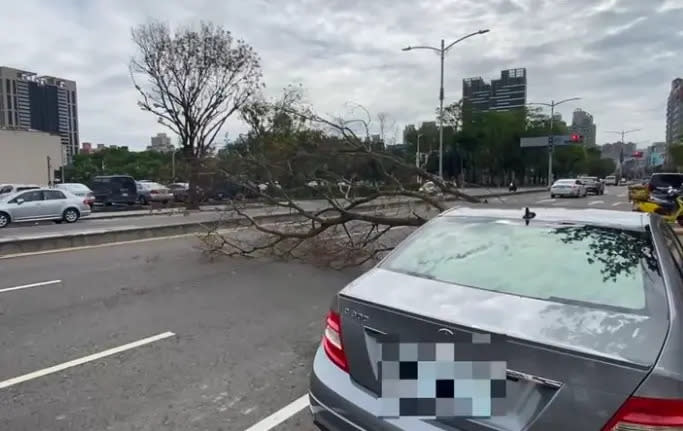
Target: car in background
430 188
593 185
13 188
564 336
568 187
611 180
42 204
114 190
149 191
78 189
180 191
659 183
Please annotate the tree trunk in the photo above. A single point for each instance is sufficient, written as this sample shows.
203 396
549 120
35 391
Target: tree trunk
194 195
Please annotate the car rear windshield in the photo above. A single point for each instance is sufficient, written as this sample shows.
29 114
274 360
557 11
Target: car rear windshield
666 180
589 265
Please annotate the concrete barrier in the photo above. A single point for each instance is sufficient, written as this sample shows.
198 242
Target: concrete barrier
37 243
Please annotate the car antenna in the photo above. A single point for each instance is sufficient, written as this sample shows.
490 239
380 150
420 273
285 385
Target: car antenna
528 215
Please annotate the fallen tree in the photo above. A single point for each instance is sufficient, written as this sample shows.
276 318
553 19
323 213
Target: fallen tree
363 192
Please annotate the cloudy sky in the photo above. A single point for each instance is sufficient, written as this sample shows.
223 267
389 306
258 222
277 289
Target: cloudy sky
618 55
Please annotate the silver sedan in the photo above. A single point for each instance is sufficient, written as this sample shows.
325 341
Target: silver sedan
573 188
42 204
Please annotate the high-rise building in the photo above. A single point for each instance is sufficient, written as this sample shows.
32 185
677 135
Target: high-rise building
45 103
503 94
582 124
161 143
674 113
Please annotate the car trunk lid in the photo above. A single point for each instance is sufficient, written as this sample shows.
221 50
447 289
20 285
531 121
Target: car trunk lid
568 366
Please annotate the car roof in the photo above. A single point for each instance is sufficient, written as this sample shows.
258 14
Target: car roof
626 220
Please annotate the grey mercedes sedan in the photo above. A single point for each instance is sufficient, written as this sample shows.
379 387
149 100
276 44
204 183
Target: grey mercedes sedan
485 319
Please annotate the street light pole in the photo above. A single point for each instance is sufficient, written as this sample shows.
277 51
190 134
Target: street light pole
442 54
551 145
417 157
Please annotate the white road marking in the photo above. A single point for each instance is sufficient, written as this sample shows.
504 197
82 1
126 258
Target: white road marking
596 202
542 201
281 415
80 361
28 286
619 203
621 195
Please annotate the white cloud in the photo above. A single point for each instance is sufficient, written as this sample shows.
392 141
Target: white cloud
619 56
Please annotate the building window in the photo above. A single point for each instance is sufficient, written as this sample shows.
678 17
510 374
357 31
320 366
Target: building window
7 85
9 101
14 86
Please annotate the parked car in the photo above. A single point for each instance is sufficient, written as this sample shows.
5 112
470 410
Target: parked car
593 185
568 187
180 191
579 341
13 188
78 189
153 192
114 189
42 204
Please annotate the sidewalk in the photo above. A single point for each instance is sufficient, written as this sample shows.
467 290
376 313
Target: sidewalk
311 204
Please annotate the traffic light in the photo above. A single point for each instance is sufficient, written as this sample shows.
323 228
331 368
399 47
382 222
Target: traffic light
576 138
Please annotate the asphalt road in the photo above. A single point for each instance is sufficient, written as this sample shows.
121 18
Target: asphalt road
232 338
245 332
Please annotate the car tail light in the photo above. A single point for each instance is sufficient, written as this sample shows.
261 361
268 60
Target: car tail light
332 341
648 414
154 192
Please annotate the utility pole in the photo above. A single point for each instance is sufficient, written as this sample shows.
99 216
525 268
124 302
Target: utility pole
551 144
442 54
622 133
49 168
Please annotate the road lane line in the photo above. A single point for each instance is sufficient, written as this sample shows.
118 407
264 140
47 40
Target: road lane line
28 286
619 203
542 201
80 361
621 195
596 202
281 415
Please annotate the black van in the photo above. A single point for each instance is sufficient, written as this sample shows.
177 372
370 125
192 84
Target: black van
114 189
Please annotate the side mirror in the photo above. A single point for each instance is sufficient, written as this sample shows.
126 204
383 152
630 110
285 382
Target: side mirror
20 201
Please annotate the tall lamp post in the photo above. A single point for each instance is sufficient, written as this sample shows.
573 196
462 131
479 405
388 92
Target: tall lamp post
622 133
442 53
552 106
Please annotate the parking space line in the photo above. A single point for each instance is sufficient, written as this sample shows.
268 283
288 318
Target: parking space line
80 361
281 415
28 286
618 203
545 200
596 202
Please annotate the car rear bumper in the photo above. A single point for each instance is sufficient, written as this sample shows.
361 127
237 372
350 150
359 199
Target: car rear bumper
338 404
565 192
